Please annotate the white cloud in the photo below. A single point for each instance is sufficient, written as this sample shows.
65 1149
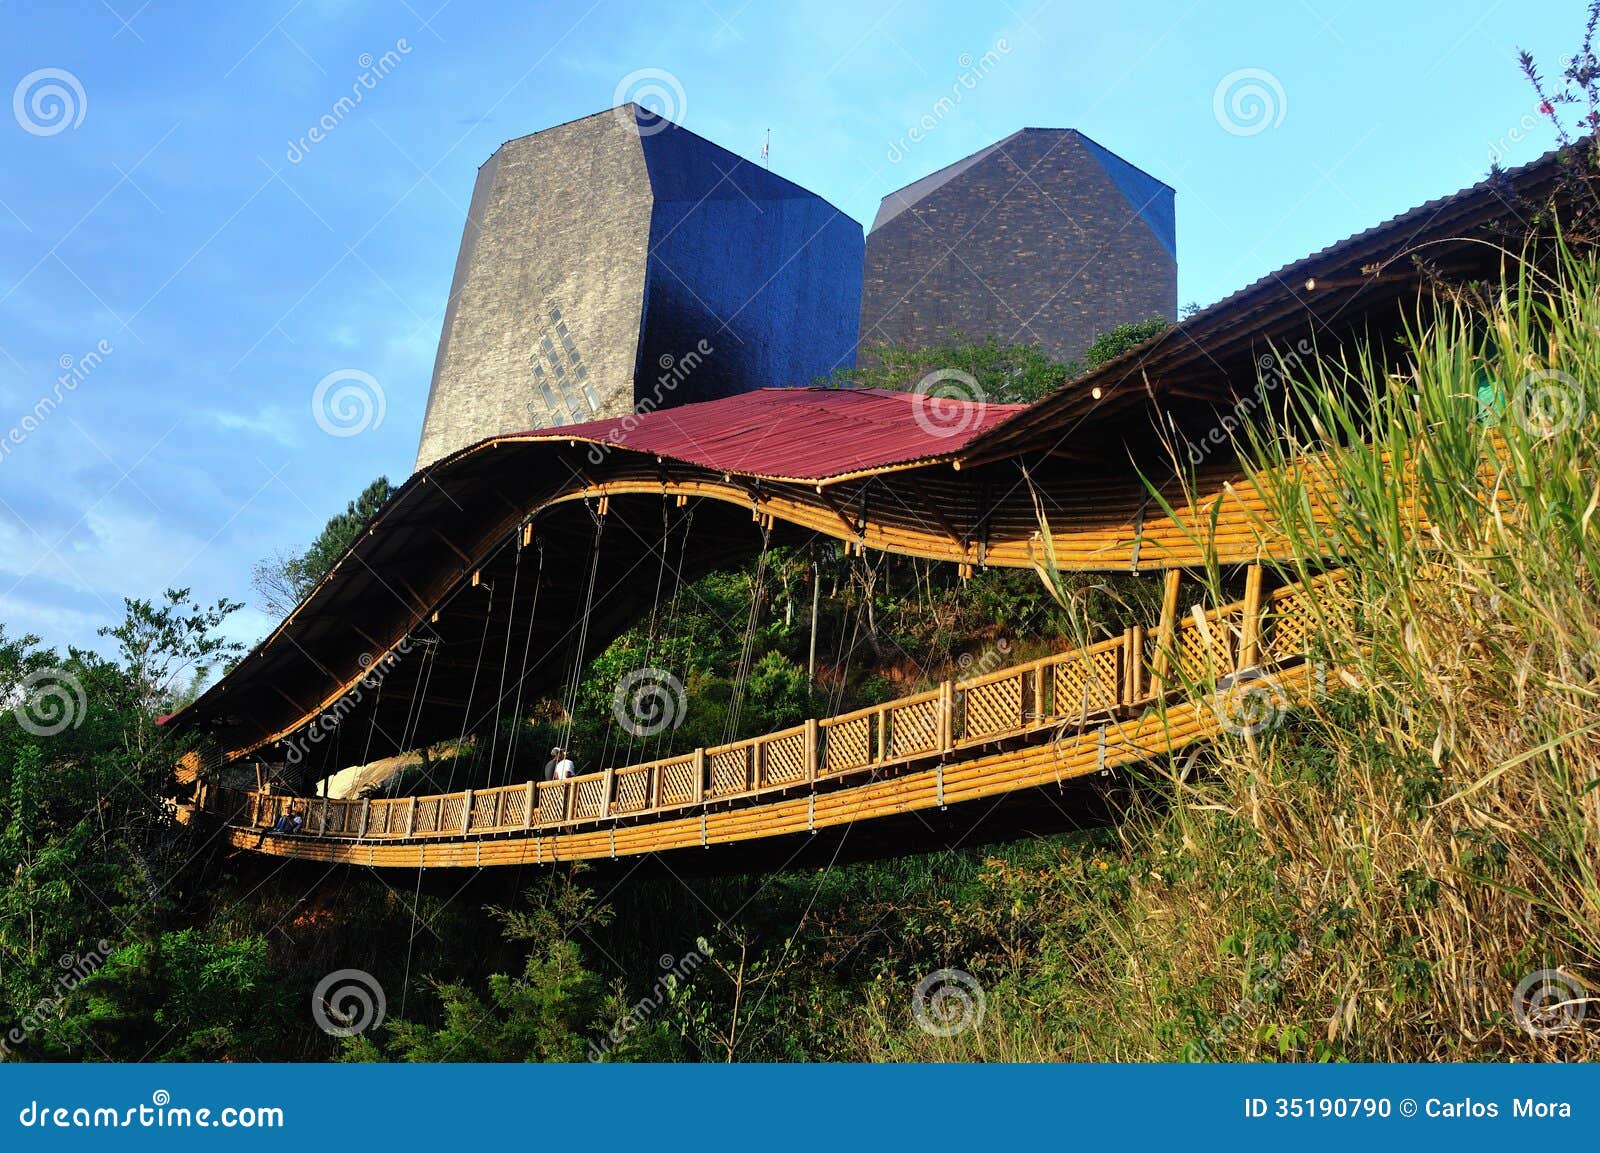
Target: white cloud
273 422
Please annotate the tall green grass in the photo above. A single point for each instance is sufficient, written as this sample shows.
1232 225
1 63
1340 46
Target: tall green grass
1374 878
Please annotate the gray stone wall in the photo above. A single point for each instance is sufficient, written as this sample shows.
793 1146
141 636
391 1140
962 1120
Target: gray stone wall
1034 243
548 288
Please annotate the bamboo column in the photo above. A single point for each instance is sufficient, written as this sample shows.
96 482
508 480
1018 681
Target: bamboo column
1250 631
1166 631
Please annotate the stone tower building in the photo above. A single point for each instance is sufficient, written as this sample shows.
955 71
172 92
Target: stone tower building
1042 238
620 263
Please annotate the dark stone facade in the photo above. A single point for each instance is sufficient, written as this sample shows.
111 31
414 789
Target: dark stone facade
621 263
1043 237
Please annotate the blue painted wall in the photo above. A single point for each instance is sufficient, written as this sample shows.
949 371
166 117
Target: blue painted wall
767 273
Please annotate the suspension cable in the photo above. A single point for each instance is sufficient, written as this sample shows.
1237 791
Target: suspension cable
571 702
742 676
522 677
672 611
472 691
505 657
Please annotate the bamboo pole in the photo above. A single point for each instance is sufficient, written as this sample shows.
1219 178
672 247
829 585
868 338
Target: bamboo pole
1166 630
1250 630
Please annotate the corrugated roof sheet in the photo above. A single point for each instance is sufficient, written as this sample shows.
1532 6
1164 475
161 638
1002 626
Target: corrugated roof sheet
798 433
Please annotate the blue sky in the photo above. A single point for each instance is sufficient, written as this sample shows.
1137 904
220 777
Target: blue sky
199 282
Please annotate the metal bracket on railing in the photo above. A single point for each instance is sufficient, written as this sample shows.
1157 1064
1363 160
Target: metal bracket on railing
1100 752
704 844
811 813
613 844
938 774
478 860
538 850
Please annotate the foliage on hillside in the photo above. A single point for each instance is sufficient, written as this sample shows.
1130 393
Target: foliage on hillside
1005 373
283 579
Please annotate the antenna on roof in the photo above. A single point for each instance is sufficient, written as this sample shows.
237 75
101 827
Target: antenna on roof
766 148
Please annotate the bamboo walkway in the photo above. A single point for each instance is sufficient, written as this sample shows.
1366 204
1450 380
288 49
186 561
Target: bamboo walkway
1134 697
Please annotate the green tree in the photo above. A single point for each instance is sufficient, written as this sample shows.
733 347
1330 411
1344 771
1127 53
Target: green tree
1114 342
552 1011
282 580
1005 373
91 860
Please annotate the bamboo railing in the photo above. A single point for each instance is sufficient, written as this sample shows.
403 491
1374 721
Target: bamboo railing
958 719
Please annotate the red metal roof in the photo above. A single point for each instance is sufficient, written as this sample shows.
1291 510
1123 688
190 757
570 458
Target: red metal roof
799 433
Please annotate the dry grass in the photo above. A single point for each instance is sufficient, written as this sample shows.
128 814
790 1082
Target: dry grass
1373 879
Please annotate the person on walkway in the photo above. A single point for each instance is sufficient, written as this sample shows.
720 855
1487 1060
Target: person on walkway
548 773
564 767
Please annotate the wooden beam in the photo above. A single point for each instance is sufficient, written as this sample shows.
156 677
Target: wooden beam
451 545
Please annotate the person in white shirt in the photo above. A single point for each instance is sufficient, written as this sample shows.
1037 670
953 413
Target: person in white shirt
564 767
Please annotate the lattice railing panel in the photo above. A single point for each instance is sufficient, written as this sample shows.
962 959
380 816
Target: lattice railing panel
1198 657
451 810
1288 628
1086 685
914 728
486 809
591 799
784 759
993 708
553 802
847 745
632 790
427 815
514 808
678 785
730 771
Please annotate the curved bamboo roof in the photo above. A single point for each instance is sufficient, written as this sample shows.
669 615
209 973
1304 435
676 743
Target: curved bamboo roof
440 561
